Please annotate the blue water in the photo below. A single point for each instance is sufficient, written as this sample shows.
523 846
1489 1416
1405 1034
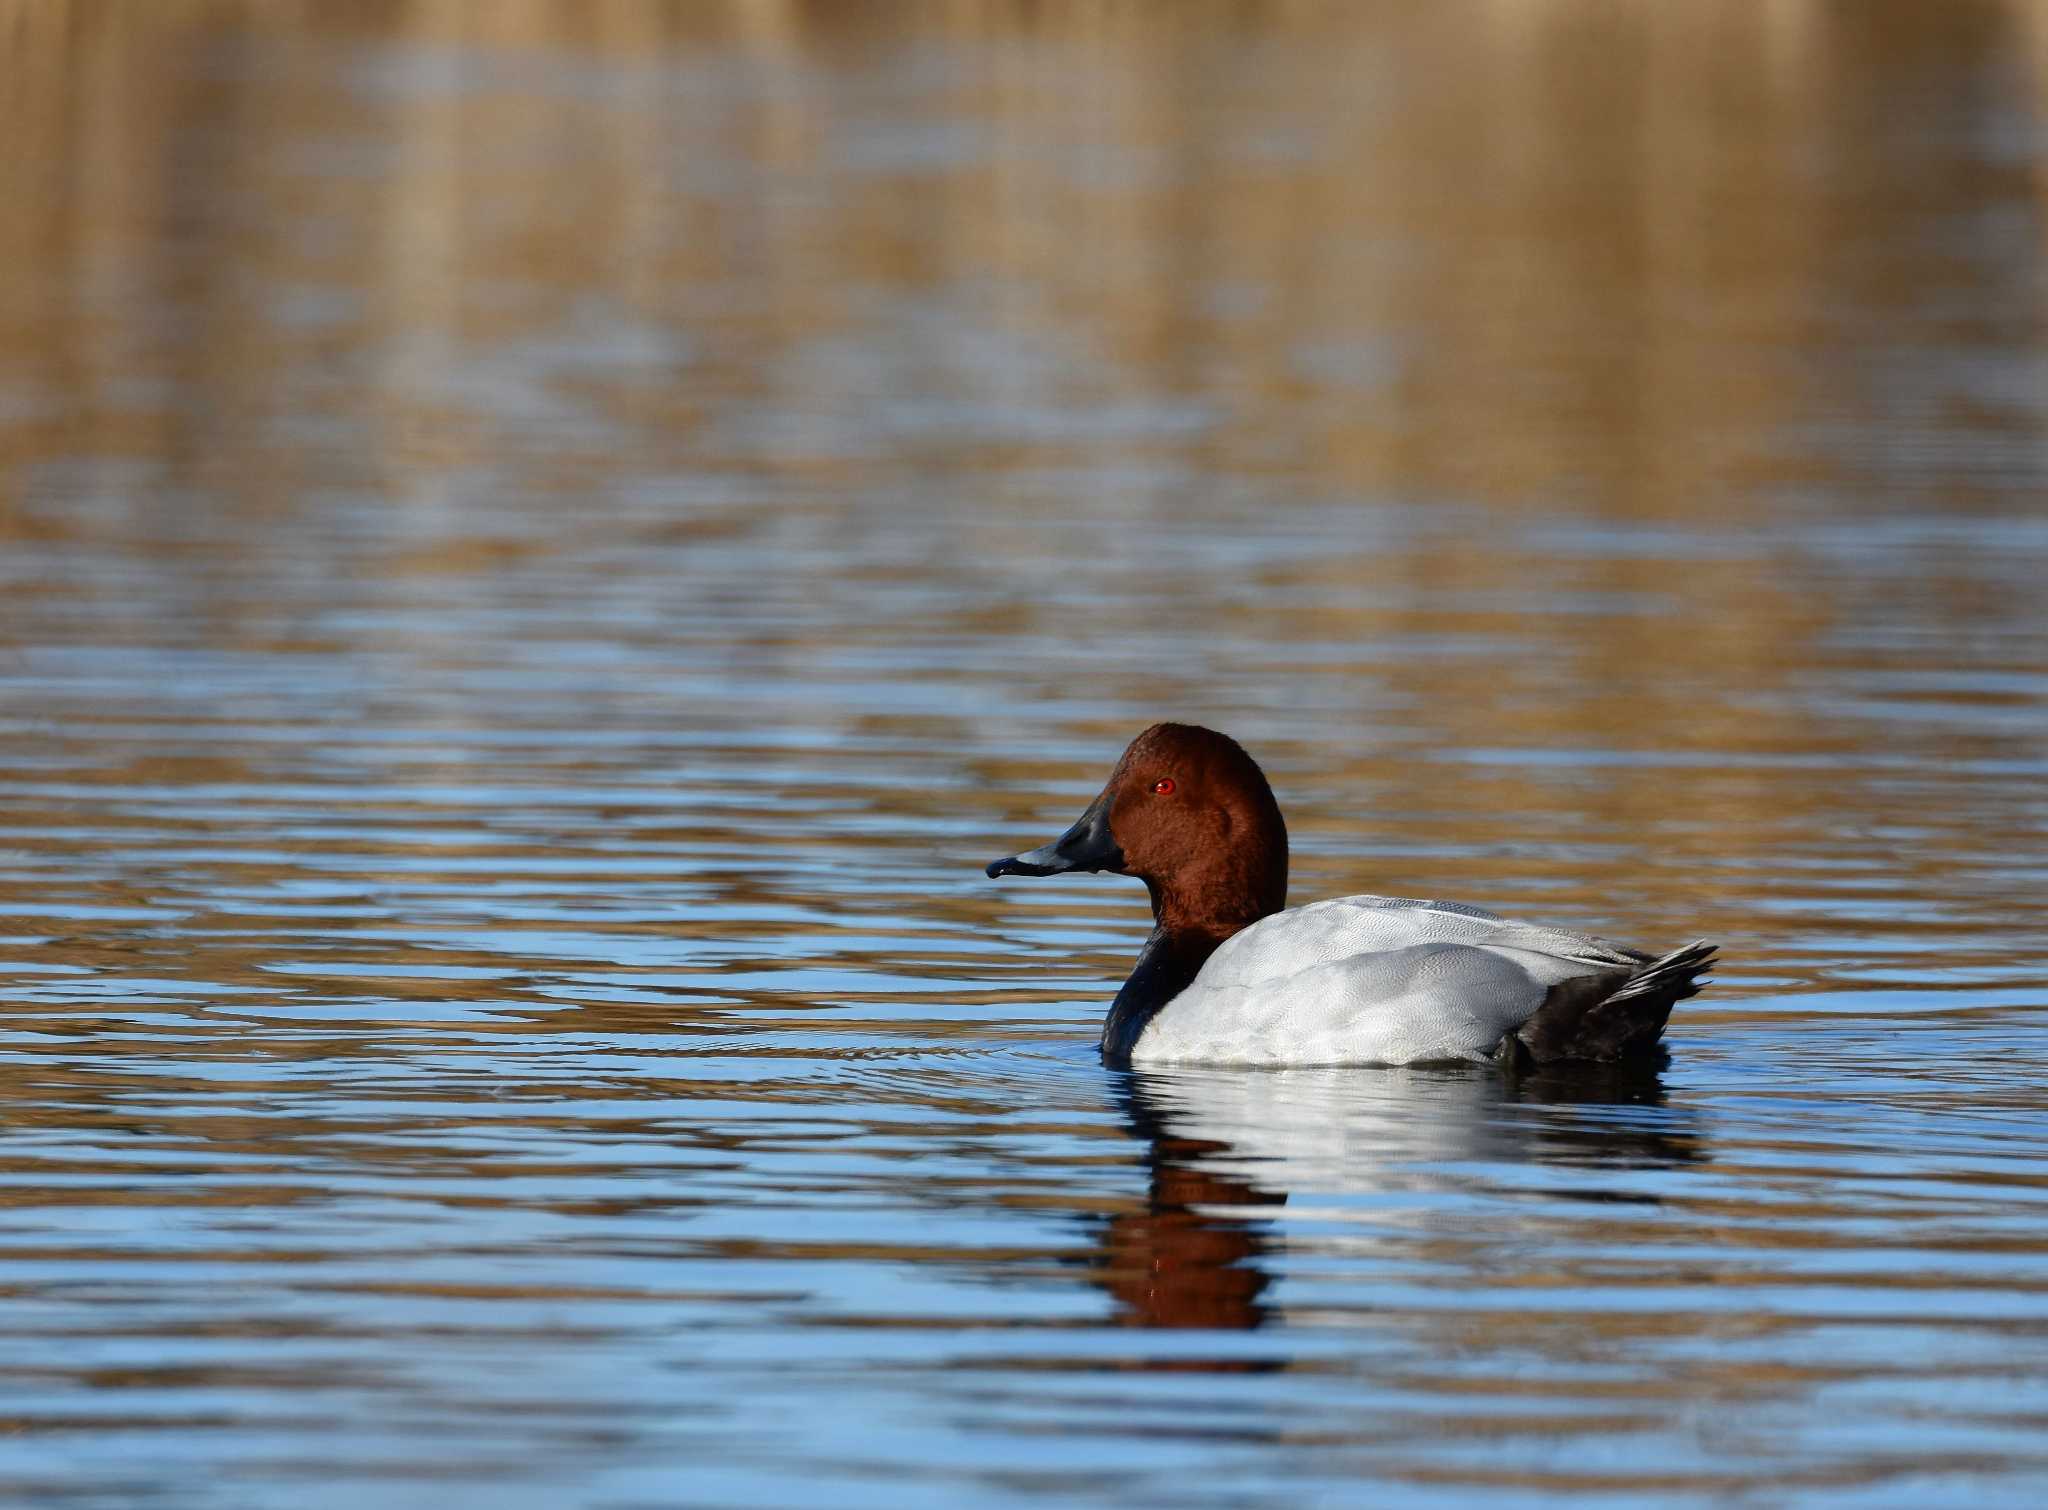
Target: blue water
542 548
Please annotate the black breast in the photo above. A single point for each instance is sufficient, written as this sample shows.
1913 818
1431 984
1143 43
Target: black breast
1166 966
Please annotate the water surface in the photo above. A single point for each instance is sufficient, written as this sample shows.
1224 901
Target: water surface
541 548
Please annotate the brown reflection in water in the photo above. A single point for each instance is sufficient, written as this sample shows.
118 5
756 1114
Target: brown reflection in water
1177 1261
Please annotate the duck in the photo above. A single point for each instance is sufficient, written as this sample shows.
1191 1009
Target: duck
1232 976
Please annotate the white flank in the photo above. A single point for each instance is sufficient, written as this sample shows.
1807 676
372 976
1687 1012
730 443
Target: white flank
1368 980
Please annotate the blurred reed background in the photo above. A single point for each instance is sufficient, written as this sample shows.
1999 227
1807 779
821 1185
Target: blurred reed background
541 543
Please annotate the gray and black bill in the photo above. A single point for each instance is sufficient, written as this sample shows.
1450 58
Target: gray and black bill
1088 845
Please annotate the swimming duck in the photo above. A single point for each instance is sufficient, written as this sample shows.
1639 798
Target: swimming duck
1229 977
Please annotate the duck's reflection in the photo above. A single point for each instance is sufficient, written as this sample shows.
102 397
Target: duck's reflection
1226 1147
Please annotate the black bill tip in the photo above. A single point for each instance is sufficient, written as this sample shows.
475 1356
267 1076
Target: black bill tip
1017 865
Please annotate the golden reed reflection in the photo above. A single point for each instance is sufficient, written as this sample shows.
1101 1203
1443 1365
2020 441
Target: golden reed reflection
1650 206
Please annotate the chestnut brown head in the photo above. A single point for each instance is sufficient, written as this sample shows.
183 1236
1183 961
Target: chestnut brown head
1189 812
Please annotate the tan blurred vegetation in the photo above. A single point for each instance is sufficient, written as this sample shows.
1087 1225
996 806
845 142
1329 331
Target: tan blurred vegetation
1594 244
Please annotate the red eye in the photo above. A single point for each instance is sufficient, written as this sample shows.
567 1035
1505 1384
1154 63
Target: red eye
1163 786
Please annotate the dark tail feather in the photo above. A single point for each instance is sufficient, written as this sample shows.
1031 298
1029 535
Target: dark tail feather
1617 1014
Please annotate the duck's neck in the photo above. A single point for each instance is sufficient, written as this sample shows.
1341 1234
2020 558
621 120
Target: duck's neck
1168 964
1191 917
